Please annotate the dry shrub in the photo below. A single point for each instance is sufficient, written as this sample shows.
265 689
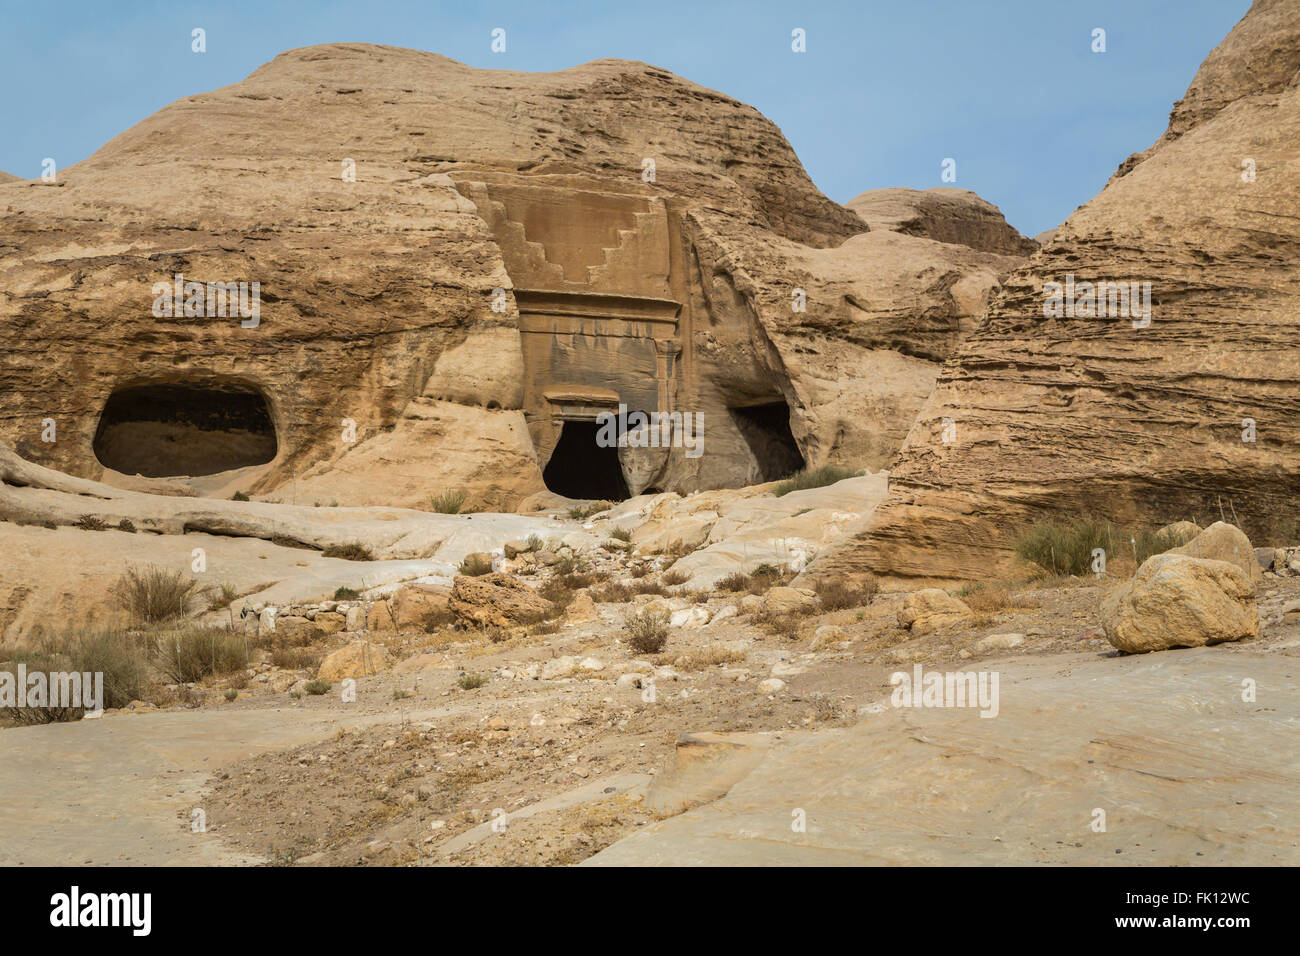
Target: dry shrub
678 549
115 653
813 478
612 592
297 658
708 657
348 552
990 598
736 581
674 578
190 653
836 595
647 630
154 594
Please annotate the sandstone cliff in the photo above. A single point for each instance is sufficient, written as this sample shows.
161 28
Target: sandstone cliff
1106 415
458 271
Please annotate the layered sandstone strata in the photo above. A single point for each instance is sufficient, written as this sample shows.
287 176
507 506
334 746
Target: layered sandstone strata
1189 413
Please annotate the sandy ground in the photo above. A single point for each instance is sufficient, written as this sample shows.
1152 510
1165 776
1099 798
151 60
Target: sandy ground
418 771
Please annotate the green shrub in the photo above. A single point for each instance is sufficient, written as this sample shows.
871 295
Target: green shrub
1065 547
344 593
154 594
471 681
239 496
813 478
230 694
317 687
90 523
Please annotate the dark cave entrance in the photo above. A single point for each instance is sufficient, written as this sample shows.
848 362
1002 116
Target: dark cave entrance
579 468
766 430
184 429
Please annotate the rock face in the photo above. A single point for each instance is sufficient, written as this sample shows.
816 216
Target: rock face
1179 601
1042 415
457 271
945 214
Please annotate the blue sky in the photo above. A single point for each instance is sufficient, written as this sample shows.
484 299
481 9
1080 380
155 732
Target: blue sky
1010 89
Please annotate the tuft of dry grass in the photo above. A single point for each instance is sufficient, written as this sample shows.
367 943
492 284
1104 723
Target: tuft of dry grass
710 656
348 552
448 502
153 594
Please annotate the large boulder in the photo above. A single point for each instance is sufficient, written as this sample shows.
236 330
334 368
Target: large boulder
496 600
416 608
1180 601
924 611
1224 542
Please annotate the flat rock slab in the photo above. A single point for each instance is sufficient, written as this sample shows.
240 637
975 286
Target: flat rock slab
1186 772
119 790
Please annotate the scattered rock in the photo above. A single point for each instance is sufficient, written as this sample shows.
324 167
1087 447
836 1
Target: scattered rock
785 600
1000 642
773 685
924 611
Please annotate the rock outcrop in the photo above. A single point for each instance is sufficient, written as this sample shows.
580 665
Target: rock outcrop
457 270
1046 412
944 214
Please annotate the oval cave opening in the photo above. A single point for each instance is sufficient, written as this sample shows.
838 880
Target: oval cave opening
176 429
581 468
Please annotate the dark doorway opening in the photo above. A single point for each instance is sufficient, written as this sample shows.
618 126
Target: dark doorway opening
579 468
184 429
766 430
